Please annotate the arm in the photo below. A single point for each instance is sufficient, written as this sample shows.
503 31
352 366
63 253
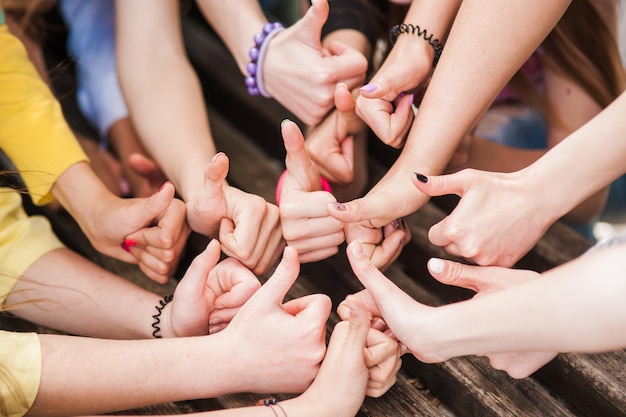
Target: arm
166 105
408 65
477 40
240 358
297 71
588 319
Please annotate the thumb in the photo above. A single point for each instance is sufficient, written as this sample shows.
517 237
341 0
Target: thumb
276 287
312 22
379 87
437 185
299 165
473 278
382 290
193 282
371 209
153 206
216 173
358 321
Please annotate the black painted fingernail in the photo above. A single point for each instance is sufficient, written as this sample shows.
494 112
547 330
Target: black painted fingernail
421 178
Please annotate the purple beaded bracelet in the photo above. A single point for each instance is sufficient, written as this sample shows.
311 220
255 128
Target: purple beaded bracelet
254 80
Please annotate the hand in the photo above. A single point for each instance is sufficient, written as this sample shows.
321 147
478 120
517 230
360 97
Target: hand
301 75
209 295
416 325
153 230
331 143
341 384
307 227
495 223
381 245
385 102
382 352
147 169
280 345
486 280
248 226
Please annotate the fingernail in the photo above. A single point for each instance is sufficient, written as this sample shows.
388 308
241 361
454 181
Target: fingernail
343 311
283 122
436 265
370 88
217 155
124 188
127 244
357 250
378 324
412 99
339 206
162 186
396 224
421 178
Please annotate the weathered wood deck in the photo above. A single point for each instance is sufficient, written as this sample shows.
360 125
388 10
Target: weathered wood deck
247 129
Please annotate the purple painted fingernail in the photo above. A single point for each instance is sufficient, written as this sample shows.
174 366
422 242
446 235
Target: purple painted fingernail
370 88
339 206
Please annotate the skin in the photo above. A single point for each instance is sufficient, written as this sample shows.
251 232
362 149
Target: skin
298 71
75 295
340 385
306 225
156 224
250 335
433 139
534 321
502 215
248 226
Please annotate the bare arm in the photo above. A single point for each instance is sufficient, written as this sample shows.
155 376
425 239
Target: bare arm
162 91
476 63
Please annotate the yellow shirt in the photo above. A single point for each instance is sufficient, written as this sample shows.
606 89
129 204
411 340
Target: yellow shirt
33 132
35 136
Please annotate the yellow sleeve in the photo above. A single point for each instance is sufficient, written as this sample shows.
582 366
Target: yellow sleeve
33 132
23 240
20 371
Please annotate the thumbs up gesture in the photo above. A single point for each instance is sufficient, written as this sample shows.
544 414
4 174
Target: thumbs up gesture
306 224
280 345
302 75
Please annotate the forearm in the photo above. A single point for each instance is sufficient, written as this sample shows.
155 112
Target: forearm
578 307
236 22
163 93
62 290
597 150
117 375
480 44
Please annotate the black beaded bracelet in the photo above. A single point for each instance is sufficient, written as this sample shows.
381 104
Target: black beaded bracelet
157 317
423 33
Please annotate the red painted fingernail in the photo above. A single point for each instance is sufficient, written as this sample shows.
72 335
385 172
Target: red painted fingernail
162 186
128 243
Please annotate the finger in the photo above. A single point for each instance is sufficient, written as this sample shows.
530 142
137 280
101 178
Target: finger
349 65
318 254
355 337
170 232
365 299
299 166
313 21
215 174
379 87
370 209
382 290
389 250
145 210
476 278
191 286
276 287
380 348
142 165
437 185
